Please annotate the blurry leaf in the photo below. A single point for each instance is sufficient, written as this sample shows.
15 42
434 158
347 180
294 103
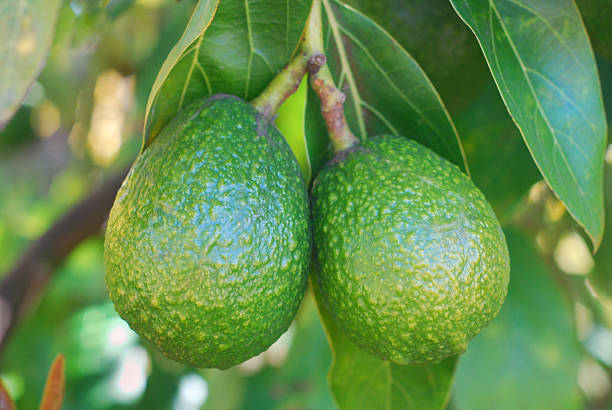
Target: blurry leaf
528 357
6 403
596 15
360 381
542 62
387 92
18 130
226 389
115 7
55 386
443 46
300 382
244 47
130 40
500 163
601 277
26 32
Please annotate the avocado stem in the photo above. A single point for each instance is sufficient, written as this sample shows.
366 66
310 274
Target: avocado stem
288 80
322 82
310 60
332 106
282 86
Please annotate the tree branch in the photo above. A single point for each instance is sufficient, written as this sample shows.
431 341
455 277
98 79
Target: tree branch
27 279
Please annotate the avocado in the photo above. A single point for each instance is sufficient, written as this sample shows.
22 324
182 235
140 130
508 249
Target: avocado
208 243
411 260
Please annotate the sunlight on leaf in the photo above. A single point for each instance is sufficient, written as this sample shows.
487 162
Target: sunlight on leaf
26 32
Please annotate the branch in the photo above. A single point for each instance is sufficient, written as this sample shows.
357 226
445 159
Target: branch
23 284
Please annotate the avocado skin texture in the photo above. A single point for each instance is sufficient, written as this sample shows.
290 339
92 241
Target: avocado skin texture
411 259
209 240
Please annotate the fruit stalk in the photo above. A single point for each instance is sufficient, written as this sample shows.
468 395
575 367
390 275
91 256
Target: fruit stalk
288 80
332 99
282 86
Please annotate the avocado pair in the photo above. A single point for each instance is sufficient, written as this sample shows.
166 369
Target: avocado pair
209 242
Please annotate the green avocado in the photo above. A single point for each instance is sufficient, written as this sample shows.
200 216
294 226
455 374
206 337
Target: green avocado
411 259
209 240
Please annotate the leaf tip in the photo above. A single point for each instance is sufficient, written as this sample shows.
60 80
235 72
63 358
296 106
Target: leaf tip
53 395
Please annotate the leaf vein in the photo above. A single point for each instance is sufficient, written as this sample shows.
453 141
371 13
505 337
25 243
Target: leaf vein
565 96
190 73
250 37
382 117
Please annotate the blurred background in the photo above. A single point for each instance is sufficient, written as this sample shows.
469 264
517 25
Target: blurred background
81 122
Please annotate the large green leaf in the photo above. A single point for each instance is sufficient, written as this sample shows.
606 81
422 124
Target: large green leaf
387 91
300 382
238 52
360 381
528 357
26 32
156 114
542 62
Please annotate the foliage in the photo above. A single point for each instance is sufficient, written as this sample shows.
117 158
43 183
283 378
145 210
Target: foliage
523 88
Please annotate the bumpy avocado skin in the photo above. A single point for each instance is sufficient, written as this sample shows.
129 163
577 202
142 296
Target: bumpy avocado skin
208 243
412 261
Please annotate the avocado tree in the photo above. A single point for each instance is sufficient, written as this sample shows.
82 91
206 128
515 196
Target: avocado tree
313 204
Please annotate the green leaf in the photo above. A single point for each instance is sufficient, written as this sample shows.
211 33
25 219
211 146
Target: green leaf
238 52
155 116
360 381
26 33
300 382
542 62
387 91
528 357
